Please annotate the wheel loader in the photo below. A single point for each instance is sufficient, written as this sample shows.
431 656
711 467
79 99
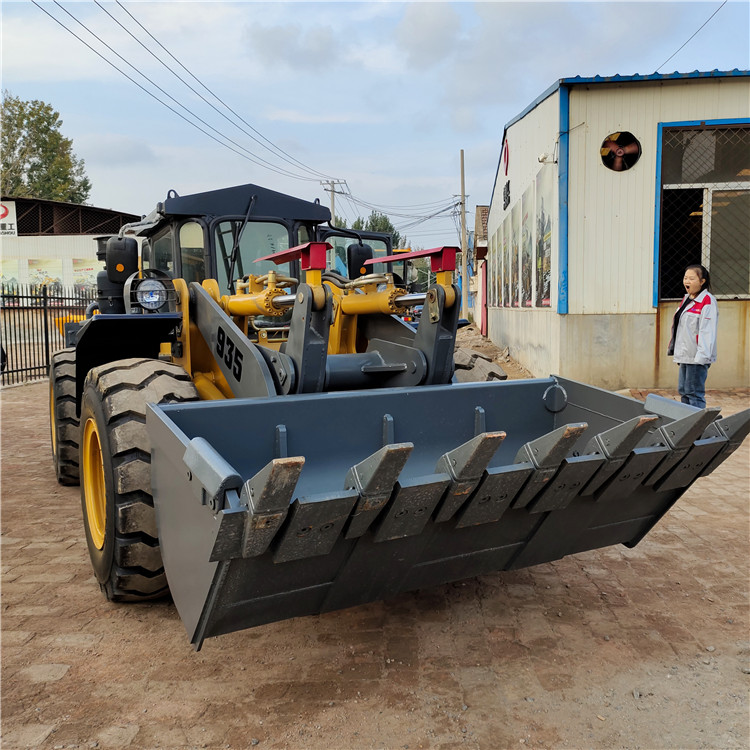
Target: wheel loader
265 437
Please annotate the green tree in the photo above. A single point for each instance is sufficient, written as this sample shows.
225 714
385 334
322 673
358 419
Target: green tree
377 222
37 159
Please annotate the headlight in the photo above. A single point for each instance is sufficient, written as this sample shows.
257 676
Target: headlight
151 294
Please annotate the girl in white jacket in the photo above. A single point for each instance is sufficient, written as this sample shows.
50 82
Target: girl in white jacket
693 342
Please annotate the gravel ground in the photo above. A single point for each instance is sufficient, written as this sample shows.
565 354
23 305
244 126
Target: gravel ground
616 648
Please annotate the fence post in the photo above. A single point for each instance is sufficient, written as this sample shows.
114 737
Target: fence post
45 312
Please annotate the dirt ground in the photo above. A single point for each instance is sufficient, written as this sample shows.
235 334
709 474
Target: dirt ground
617 648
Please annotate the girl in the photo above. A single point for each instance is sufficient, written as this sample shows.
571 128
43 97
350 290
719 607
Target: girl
693 342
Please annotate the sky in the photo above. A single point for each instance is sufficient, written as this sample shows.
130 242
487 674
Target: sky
382 95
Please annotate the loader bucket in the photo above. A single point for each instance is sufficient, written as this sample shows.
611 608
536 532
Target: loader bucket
273 508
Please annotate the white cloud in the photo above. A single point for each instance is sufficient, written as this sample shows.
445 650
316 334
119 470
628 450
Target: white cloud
295 46
428 33
322 118
112 149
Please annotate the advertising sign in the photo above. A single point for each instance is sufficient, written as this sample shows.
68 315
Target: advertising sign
8 227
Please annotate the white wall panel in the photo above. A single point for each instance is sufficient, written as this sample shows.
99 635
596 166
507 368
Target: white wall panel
64 247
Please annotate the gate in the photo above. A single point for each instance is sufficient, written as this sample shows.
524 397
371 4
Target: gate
33 327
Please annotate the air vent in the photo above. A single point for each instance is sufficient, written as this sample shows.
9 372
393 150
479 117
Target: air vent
620 151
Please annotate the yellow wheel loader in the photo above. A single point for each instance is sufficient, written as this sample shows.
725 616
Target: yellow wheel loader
258 431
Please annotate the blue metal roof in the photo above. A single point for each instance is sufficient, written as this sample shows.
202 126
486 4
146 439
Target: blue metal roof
635 78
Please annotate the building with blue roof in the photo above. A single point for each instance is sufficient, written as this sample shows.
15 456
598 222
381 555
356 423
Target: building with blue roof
606 188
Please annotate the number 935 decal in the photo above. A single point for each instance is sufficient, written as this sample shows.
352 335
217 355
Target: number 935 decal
228 352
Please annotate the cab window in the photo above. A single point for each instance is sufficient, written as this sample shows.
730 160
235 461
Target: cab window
192 252
159 254
259 238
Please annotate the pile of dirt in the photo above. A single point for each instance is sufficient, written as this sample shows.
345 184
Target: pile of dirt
470 338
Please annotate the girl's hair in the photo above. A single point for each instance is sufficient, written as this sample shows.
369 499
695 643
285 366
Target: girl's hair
703 273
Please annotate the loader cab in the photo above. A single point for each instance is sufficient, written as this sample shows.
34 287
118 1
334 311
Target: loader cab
192 236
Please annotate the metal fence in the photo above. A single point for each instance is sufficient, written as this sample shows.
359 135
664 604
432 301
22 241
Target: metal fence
32 327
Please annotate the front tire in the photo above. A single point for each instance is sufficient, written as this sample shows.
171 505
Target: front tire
63 420
118 508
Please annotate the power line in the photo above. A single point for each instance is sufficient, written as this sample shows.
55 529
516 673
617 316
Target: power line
413 216
248 155
696 33
440 206
271 147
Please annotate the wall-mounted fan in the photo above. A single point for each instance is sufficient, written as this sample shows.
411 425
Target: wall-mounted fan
620 151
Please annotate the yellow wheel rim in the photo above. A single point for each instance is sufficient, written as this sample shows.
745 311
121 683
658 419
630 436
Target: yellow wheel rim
93 483
52 419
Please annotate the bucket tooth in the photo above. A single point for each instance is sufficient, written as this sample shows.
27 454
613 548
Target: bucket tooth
546 454
494 495
267 497
735 428
615 446
465 465
313 525
679 437
411 507
374 480
251 519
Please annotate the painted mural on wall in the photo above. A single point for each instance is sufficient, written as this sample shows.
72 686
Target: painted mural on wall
9 271
46 272
508 237
544 188
503 265
84 274
521 259
515 253
527 247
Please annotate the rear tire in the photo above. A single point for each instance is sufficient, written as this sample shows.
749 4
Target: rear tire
63 420
118 508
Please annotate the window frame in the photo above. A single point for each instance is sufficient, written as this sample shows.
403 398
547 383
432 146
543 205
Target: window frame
659 187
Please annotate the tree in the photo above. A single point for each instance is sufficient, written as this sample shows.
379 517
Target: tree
37 159
377 222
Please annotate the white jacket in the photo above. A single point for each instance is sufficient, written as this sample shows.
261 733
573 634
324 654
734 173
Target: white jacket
695 339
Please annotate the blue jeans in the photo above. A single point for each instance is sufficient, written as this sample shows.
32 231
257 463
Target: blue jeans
691 384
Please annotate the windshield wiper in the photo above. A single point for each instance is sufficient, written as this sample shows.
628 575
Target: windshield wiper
236 245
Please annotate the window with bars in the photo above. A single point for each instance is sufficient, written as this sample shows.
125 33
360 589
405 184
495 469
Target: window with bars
705 208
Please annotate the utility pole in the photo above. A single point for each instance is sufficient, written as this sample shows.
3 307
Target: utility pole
464 248
332 190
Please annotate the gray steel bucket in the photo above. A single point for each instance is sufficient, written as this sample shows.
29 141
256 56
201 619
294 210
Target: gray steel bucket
278 507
